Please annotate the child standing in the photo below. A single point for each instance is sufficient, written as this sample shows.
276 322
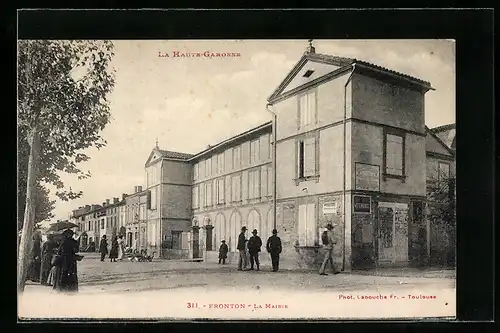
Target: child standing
223 250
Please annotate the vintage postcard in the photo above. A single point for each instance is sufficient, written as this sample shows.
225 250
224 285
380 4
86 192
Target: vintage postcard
236 179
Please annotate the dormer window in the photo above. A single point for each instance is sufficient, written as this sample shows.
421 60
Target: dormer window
308 73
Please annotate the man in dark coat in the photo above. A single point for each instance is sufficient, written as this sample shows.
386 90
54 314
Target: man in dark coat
103 247
48 249
67 276
113 253
273 246
254 245
241 248
223 250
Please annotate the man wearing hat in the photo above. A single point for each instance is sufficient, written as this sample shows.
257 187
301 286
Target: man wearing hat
241 247
254 245
273 246
328 241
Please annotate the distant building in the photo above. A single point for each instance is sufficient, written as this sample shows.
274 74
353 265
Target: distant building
136 218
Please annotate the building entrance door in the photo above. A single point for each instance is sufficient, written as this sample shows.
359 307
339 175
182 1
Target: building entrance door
386 248
392 232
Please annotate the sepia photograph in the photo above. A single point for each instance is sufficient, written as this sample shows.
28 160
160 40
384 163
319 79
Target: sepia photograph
252 179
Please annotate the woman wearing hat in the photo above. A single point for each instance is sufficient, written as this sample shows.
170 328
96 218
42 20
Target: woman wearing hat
67 277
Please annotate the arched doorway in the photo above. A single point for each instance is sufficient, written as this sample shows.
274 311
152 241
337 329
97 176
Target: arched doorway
219 230
253 222
84 241
235 229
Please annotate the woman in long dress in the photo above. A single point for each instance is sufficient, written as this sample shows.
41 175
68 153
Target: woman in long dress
113 253
48 249
121 249
66 275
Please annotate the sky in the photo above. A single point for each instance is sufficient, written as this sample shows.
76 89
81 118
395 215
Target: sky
189 103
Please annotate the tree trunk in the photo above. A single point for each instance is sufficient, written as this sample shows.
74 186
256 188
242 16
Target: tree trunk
29 212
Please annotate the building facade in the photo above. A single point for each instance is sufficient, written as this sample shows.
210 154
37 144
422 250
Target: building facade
352 149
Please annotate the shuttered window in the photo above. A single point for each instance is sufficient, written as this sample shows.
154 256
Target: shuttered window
254 151
307 224
306 158
236 188
254 184
307 109
208 194
236 157
394 155
220 191
270 184
196 197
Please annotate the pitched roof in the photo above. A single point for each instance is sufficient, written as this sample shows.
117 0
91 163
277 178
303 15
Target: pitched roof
344 62
437 139
443 128
174 154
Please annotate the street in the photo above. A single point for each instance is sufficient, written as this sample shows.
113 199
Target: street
168 289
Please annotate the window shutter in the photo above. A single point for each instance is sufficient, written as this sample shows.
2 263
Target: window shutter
263 180
257 184
302 224
309 157
149 198
310 224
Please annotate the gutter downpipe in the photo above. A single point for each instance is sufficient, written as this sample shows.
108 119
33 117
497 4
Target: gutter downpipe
344 121
275 191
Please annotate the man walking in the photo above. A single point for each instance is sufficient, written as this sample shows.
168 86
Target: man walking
328 241
242 260
273 246
103 247
254 245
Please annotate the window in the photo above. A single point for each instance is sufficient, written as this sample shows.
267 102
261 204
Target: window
142 212
208 167
307 224
176 240
208 194
196 197
153 198
270 184
102 224
443 171
228 159
236 157
196 171
254 151
394 154
263 178
306 158
254 184
202 195
220 191
308 73
418 211
307 109
220 163
236 188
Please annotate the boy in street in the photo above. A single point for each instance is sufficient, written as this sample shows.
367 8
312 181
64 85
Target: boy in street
223 250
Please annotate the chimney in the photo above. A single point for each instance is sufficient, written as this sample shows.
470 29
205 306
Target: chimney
115 200
139 188
310 49
124 196
103 204
107 201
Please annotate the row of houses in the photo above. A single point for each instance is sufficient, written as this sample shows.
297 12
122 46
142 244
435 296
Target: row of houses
349 145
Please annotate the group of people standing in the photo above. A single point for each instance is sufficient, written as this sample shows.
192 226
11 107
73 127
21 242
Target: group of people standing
116 251
55 262
249 250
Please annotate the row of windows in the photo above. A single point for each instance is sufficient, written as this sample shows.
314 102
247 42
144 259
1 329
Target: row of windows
232 159
260 184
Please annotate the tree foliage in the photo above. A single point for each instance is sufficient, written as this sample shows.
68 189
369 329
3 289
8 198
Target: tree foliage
62 89
62 109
